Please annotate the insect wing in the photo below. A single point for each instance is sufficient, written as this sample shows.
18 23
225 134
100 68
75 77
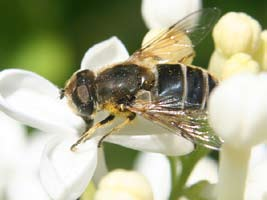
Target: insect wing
191 124
176 43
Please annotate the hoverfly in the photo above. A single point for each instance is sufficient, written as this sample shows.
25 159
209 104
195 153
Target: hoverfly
155 82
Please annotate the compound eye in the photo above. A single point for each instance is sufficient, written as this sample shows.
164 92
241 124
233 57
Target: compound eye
83 93
83 99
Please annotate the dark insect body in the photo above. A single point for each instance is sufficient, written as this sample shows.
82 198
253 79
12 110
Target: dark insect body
155 82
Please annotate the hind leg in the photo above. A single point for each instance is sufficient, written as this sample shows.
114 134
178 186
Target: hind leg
129 118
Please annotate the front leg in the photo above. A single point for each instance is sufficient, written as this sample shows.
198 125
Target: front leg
87 135
129 118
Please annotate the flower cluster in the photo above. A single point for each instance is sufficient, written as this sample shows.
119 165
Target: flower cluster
237 107
240 46
34 101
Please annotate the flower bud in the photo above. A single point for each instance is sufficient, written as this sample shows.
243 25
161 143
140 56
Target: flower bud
238 63
216 64
124 185
236 32
261 54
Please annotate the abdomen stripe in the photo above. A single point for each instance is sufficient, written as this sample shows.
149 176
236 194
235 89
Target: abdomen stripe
189 85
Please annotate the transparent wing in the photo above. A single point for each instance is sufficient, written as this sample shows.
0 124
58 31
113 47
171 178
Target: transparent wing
192 124
177 42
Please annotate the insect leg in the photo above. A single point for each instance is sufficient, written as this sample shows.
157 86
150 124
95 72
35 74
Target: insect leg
87 135
129 118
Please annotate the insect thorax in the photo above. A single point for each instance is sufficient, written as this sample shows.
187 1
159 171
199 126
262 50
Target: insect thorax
120 83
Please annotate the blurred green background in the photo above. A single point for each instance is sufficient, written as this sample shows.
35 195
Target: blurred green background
50 38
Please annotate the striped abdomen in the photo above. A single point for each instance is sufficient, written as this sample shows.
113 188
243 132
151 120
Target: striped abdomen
190 85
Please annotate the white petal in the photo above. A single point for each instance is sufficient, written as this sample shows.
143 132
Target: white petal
155 167
257 179
34 101
12 142
205 169
104 53
101 169
144 135
257 182
66 174
2 189
166 143
24 182
164 13
34 150
12 146
258 155
26 185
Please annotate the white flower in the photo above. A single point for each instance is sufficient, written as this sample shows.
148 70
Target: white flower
155 167
124 185
238 109
34 101
164 13
238 114
19 162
